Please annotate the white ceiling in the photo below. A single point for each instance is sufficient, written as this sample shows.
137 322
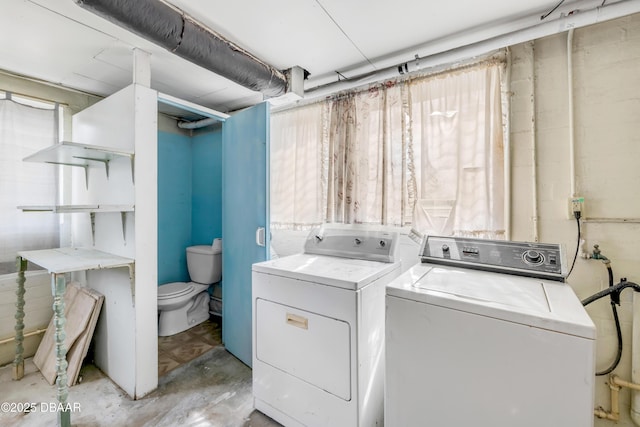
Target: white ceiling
60 42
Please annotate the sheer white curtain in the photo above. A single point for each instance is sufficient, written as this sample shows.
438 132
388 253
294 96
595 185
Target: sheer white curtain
23 131
458 143
367 165
426 152
344 174
298 167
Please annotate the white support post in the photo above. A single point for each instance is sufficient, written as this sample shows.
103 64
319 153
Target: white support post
141 68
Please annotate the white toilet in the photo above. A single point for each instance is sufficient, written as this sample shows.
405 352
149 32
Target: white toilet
183 305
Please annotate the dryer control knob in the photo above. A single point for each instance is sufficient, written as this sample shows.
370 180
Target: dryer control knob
357 241
445 248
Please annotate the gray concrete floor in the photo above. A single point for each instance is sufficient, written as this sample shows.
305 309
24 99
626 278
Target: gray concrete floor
212 390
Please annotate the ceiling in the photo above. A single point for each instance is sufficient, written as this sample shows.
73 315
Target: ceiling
61 42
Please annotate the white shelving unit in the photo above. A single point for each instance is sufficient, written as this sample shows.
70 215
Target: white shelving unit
77 208
90 209
69 153
126 337
60 261
67 260
80 155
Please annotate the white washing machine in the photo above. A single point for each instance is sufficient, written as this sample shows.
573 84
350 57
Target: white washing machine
318 329
486 333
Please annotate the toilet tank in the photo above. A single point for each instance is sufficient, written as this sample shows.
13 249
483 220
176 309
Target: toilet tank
204 264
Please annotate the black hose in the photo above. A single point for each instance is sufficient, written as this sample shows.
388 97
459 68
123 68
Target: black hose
614 292
606 292
610 271
619 353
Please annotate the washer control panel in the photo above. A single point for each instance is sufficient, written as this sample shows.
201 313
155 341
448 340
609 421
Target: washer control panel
541 260
355 243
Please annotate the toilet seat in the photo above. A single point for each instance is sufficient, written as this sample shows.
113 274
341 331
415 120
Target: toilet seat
174 290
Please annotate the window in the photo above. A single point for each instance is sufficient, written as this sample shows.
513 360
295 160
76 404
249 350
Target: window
425 152
26 126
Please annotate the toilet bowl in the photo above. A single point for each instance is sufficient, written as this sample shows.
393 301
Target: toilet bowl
182 305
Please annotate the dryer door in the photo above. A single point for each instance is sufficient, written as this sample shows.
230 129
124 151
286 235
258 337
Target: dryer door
311 347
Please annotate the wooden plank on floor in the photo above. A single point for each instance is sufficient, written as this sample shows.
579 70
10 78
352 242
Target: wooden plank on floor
79 350
80 308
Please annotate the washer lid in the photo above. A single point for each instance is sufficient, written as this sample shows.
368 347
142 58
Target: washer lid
327 270
173 290
534 302
501 289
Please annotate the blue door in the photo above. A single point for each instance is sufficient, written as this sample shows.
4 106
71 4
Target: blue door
245 209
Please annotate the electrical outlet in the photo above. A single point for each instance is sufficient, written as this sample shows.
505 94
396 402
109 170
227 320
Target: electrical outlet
576 204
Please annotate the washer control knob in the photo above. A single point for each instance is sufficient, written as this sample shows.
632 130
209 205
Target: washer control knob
445 248
383 243
532 257
357 241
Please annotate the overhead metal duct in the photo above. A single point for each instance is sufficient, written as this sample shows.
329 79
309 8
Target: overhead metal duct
177 32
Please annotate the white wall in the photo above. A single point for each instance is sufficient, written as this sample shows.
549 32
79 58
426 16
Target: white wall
606 59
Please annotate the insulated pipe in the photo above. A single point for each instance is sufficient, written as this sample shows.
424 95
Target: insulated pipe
177 32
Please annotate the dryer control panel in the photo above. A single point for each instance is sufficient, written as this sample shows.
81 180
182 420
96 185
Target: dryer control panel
542 260
358 243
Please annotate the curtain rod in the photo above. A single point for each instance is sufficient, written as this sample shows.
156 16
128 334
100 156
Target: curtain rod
498 56
46 83
10 97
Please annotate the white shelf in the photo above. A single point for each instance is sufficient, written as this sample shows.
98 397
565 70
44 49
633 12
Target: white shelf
77 208
90 209
66 260
75 154
80 155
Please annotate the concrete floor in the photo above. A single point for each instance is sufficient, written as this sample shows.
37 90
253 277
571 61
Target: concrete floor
212 390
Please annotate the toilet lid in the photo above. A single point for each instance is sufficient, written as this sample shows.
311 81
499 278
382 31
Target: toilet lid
175 289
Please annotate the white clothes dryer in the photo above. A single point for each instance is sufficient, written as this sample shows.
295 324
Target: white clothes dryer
318 329
486 333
